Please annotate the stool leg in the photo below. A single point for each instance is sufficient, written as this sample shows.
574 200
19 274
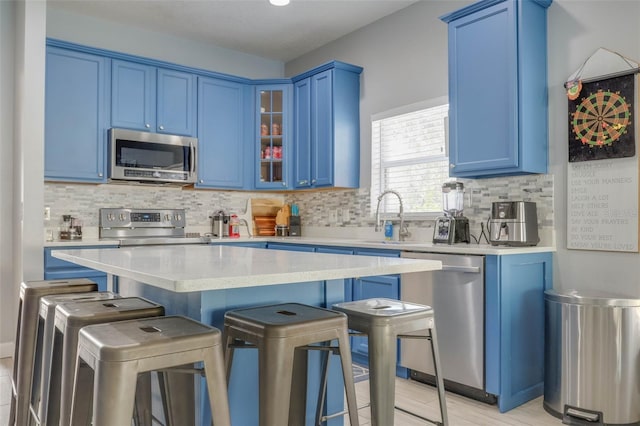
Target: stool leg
69 352
276 360
142 412
25 358
82 395
298 403
438 374
322 394
217 386
347 373
178 396
114 393
228 353
382 369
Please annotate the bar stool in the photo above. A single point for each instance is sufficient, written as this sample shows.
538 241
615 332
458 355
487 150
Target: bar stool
384 321
278 331
69 319
43 374
117 352
26 338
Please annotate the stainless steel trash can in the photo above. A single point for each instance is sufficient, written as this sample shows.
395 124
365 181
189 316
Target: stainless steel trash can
592 358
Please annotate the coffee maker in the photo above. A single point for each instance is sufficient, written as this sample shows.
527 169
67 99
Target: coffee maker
453 227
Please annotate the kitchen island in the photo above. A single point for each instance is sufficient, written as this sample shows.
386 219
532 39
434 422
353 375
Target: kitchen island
203 282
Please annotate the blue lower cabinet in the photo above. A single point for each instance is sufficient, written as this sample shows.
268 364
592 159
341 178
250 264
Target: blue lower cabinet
250 244
514 326
56 269
291 247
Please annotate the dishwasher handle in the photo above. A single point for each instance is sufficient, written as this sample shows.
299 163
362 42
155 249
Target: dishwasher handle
466 269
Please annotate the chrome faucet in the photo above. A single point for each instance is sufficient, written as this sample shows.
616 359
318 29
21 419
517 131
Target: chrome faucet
403 231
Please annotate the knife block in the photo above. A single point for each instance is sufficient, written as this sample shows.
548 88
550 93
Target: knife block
295 228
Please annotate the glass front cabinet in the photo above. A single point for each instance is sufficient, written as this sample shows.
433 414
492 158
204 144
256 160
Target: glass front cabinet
273 135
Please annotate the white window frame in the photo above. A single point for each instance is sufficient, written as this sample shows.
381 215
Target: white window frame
435 102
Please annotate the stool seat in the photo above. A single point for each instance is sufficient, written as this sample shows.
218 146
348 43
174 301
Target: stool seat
280 332
384 321
26 346
118 352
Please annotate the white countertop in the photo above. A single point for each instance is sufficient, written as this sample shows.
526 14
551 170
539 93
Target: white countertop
210 267
477 249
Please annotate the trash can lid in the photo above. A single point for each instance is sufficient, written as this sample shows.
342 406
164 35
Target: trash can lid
590 297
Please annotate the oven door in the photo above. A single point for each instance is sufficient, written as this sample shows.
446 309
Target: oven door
152 157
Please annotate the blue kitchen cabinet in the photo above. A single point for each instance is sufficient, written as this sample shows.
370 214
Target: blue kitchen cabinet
290 247
223 107
153 99
498 88
514 326
273 135
76 116
57 269
327 127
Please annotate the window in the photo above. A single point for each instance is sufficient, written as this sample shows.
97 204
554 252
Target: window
409 155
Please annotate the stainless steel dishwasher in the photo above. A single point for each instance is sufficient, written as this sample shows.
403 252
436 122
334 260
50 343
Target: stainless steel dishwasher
456 294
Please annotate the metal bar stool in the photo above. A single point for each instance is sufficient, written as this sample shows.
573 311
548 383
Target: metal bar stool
69 319
43 374
384 321
118 352
26 338
279 332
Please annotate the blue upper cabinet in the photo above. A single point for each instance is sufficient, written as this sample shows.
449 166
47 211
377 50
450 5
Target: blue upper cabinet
498 88
223 107
273 133
327 127
76 115
153 99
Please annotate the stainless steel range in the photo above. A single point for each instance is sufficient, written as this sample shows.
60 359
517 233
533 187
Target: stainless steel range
146 226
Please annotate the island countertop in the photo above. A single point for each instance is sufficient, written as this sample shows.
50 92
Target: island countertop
204 267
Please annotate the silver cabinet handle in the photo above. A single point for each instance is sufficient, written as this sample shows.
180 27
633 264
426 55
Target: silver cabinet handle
452 166
161 127
201 181
284 183
302 182
469 269
313 181
147 125
99 174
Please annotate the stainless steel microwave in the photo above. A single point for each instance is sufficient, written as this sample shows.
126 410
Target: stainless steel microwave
152 157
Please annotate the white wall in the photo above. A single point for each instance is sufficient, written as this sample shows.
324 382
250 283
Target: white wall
8 291
576 30
100 33
404 57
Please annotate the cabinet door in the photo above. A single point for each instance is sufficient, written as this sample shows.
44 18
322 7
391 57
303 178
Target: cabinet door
221 141
514 327
483 91
76 116
176 108
272 133
302 132
133 96
322 129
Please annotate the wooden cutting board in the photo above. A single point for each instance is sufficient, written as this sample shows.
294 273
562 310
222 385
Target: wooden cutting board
264 211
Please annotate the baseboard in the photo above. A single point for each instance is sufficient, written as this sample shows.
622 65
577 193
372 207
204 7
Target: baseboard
6 350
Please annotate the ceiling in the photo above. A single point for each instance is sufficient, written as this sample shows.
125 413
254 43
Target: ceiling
250 26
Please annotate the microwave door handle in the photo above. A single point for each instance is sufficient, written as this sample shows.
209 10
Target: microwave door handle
192 149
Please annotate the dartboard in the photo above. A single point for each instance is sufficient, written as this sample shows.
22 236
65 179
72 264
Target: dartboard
601 118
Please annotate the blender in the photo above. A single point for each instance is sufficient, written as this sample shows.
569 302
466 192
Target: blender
453 227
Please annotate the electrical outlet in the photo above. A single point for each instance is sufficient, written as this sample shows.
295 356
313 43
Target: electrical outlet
47 213
333 216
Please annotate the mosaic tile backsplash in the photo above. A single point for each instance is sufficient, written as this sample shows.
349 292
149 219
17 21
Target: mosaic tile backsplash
317 209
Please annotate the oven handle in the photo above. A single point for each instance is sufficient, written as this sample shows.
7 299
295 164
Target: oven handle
466 269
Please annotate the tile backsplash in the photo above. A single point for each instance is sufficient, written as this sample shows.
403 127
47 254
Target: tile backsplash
331 208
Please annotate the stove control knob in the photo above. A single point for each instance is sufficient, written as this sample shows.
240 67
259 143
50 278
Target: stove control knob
178 216
167 217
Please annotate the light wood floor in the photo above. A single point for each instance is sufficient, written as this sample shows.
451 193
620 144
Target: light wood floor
410 395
